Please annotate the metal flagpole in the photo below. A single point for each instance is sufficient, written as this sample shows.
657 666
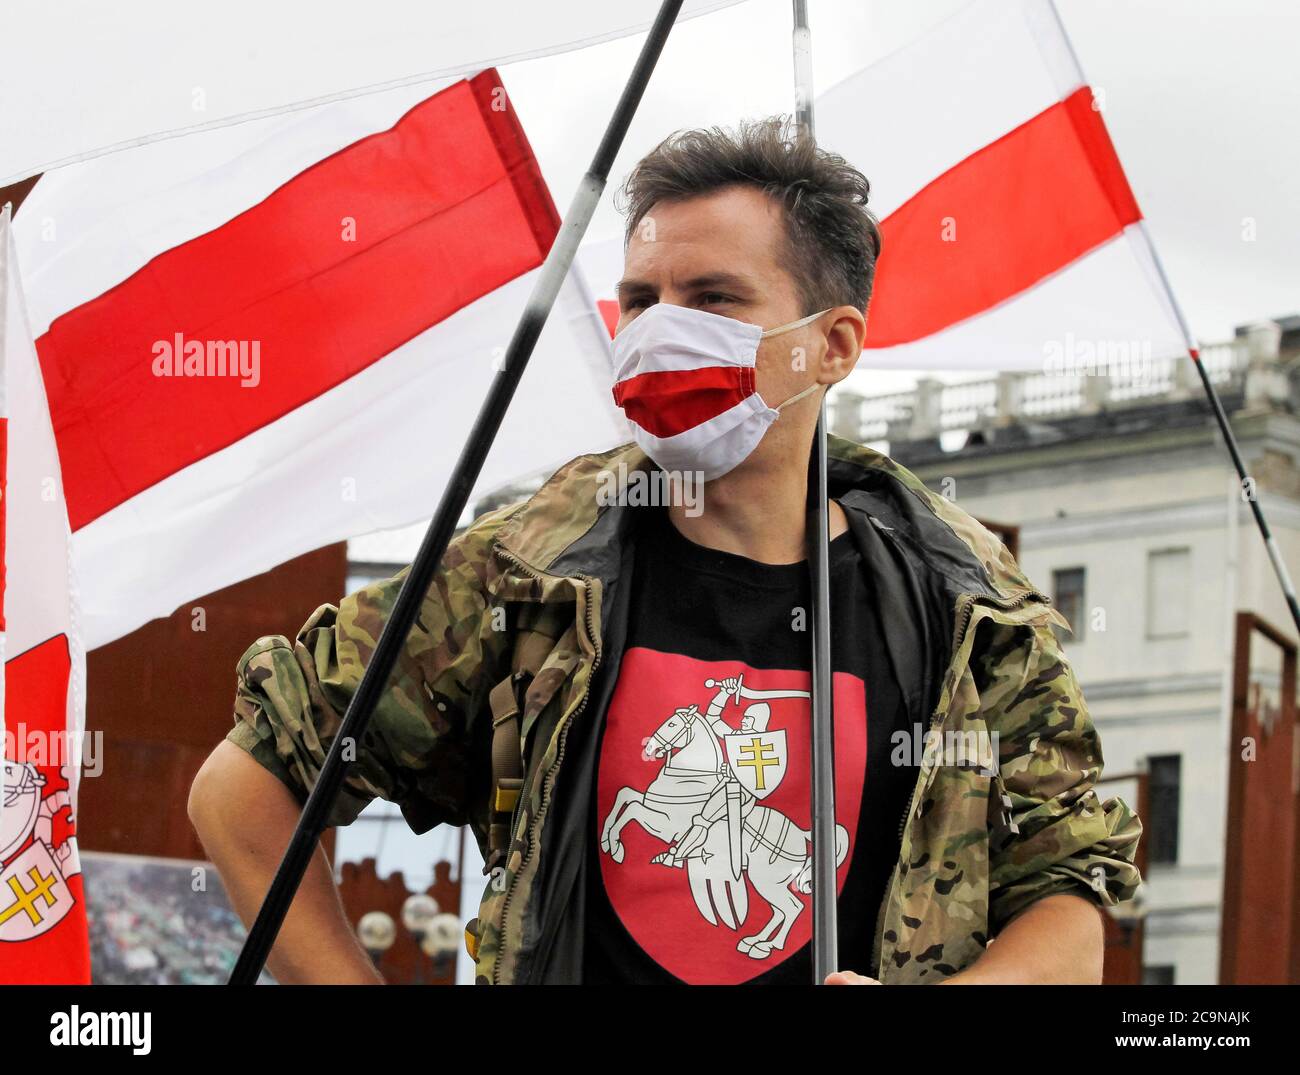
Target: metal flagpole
443 525
1248 487
825 942
1220 416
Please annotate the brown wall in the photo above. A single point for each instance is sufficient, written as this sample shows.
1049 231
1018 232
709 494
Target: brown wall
362 890
1259 935
162 696
16 192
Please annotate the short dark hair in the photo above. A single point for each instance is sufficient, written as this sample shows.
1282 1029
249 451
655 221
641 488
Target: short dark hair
833 239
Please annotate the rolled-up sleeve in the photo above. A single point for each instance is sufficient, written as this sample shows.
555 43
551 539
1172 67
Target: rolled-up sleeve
1051 831
291 696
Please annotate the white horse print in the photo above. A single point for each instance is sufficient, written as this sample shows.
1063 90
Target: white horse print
705 803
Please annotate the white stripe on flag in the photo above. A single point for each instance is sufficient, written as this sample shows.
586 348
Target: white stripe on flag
928 106
82 79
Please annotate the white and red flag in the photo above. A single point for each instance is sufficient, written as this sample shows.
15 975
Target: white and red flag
1011 237
263 339
43 930
1010 233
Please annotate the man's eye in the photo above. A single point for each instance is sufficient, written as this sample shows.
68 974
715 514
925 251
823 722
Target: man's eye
638 303
714 298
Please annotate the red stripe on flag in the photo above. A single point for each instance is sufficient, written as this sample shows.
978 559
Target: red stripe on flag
609 313
1019 209
694 396
447 205
517 157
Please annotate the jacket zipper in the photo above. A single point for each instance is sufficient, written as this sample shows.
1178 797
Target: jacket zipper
965 610
547 777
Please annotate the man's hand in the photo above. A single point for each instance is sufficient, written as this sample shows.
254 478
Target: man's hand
245 817
848 977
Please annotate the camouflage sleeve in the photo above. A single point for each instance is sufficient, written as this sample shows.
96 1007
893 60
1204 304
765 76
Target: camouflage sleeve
291 695
1055 835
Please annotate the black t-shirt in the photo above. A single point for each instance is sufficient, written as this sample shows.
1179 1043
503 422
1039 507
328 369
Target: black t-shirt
704 764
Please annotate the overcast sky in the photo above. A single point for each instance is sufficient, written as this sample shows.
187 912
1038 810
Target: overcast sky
1201 98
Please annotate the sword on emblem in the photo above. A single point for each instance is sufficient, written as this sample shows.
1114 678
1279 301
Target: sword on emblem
744 692
734 826
751 751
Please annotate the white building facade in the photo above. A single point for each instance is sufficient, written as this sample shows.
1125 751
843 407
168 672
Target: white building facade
1131 516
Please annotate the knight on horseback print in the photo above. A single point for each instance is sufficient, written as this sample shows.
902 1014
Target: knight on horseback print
706 804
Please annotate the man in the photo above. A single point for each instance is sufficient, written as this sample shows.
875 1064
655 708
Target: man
559 630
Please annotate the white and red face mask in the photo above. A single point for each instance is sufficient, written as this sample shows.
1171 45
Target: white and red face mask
685 380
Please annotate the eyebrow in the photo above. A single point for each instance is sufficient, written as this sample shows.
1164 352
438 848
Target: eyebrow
722 279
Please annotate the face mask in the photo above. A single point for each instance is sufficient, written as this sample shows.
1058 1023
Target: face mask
685 380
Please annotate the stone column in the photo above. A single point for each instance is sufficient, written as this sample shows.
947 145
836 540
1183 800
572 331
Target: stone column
927 413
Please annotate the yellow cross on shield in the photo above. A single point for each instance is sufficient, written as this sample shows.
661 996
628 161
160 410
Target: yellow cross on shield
757 759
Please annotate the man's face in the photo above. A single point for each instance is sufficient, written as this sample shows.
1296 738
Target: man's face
725 253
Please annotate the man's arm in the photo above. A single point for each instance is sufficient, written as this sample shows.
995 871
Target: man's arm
1054 846
1060 940
245 817
1059 853
290 699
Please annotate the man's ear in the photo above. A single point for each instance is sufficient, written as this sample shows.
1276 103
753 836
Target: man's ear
843 344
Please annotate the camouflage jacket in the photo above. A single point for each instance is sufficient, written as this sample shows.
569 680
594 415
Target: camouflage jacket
538 585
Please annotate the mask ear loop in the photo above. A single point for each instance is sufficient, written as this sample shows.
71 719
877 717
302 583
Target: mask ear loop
799 395
794 324
788 328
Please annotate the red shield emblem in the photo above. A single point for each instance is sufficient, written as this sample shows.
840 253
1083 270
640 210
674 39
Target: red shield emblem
43 934
703 809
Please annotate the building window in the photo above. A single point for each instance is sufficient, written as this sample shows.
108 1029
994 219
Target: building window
1169 591
1067 595
1164 776
1158 974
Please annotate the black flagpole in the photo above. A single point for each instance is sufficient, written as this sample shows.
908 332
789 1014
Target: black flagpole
443 525
825 942
1248 486
1249 491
